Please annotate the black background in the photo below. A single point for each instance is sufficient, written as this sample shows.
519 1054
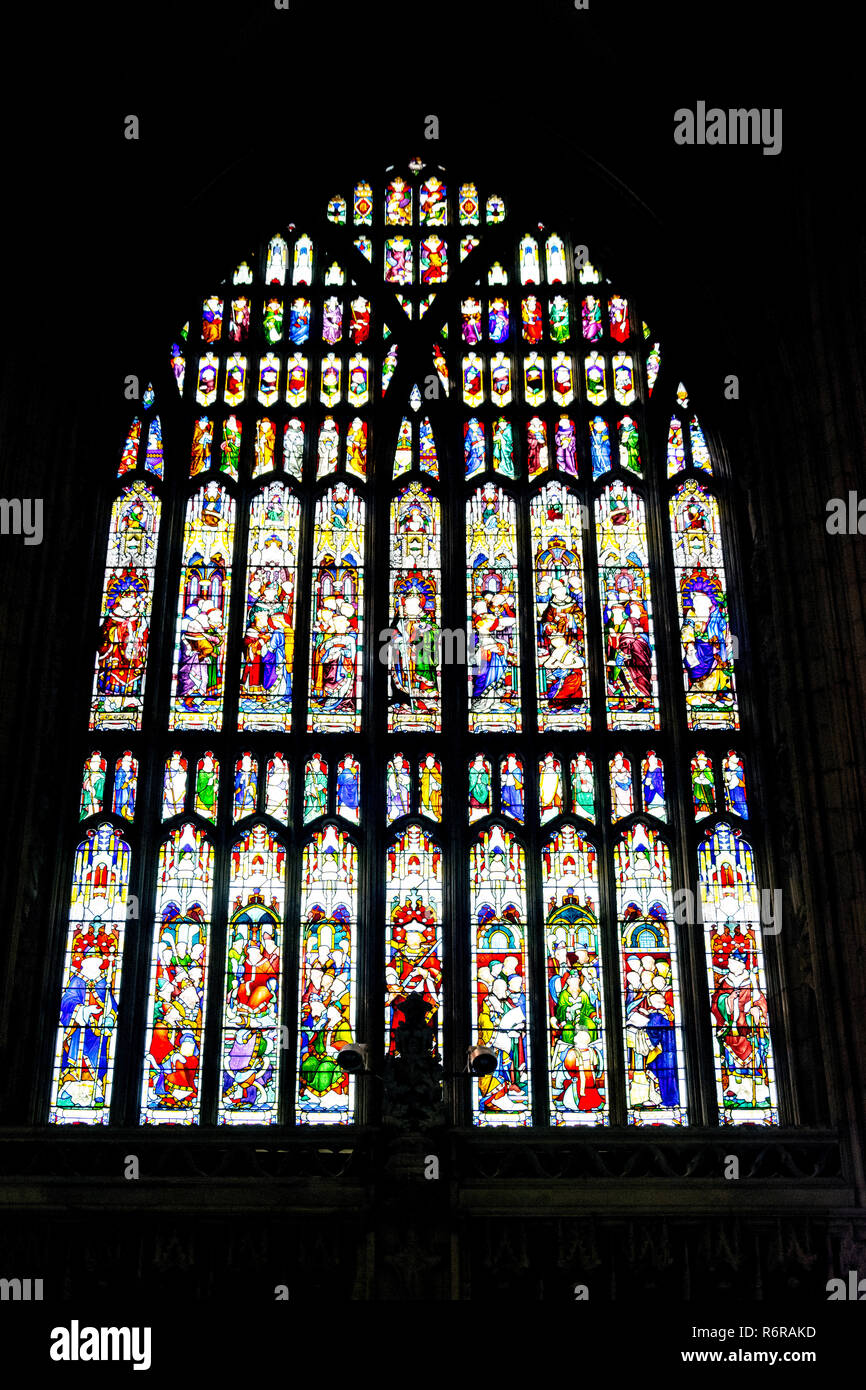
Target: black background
250 116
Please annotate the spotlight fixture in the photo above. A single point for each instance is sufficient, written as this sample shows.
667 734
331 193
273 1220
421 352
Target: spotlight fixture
480 1061
354 1057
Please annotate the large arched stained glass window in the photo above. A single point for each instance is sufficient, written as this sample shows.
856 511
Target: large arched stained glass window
418 598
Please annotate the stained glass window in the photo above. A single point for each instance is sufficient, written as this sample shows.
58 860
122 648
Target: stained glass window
514 693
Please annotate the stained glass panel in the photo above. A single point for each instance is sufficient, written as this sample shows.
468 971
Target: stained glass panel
554 256
734 778
398 788
559 317
277 788
621 794
239 324
246 788
503 448
174 785
618 308
575 1026
676 448
125 785
117 699
202 439
596 378
153 453
198 675
348 797
87 1027
530 314
337 618
498 321
560 609
430 786
403 452
178 979
207 777
293 448
703 785
629 445
414 699
474 447
278 254
480 788
655 1064
302 262
212 319
583 786
266 440
315 788
497 879
271 320
413 934
250 1046
537 453
700 452
599 445
705 634
432 204
92 785
398 203
530 270
653 786
630 661
549 788
230 448
328 447
653 362
492 599
326 1005
427 449
743 1055
359 321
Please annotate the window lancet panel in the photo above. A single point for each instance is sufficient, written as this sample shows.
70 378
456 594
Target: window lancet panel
499 977
84 1054
177 997
492 596
652 1008
337 613
575 1022
251 1052
269 634
198 682
127 601
327 991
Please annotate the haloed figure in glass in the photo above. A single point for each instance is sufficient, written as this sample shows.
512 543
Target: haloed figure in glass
704 637
414 676
123 636
88 1014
